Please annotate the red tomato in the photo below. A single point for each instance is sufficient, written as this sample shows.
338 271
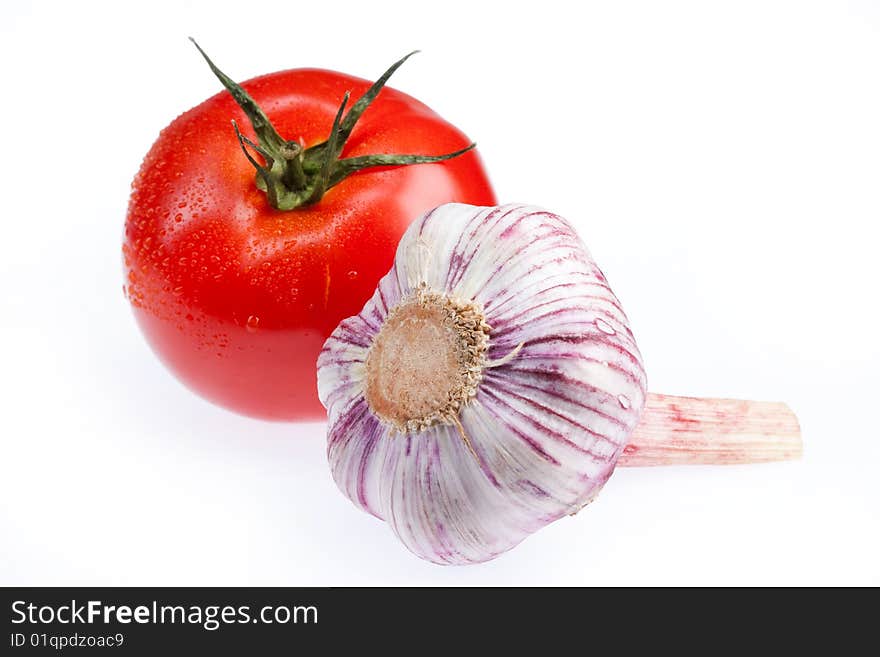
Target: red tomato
236 297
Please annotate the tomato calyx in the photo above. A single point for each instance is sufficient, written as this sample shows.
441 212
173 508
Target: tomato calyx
293 176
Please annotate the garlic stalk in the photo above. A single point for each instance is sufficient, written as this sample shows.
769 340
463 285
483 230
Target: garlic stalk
693 431
488 388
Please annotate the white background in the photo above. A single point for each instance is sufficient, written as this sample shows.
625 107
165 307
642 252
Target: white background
721 160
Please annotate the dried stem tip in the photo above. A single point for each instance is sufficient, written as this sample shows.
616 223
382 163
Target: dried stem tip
426 361
692 431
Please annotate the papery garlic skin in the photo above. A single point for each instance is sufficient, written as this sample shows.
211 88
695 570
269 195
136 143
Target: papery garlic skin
547 423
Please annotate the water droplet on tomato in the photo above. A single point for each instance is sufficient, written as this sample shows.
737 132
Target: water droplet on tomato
253 322
604 326
177 291
352 274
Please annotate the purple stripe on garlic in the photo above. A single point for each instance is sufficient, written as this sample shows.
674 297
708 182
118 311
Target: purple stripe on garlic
488 387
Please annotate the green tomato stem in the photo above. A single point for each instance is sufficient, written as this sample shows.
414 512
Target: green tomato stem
294 177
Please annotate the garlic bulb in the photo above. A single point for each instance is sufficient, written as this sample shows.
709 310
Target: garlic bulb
488 387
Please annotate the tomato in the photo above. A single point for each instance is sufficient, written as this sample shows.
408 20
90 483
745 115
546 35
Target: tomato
235 296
